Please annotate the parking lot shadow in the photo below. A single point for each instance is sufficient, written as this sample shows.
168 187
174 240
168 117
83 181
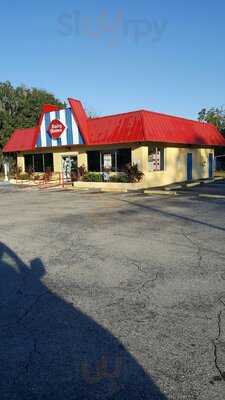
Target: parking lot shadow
51 350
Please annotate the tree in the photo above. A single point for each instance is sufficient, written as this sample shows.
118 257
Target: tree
215 116
20 107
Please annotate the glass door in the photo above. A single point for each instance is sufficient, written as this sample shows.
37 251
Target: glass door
69 166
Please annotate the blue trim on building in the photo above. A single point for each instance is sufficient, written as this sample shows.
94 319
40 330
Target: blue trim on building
48 137
39 144
69 132
81 140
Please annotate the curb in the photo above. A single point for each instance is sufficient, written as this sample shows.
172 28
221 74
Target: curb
208 181
193 184
212 196
176 187
113 190
219 178
160 192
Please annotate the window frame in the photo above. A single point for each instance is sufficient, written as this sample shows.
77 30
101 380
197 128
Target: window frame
115 159
33 162
160 165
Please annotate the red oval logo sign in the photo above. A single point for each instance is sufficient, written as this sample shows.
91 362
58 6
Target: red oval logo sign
56 128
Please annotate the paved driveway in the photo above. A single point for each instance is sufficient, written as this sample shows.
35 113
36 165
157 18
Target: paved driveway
215 188
111 296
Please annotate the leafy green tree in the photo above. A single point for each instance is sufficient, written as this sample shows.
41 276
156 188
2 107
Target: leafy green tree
215 116
20 107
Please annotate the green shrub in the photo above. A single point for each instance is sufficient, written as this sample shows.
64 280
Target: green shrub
24 177
120 178
133 173
37 177
30 172
92 177
78 173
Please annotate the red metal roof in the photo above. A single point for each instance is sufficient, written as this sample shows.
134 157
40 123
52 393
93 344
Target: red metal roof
26 139
137 126
22 140
170 129
119 128
147 126
80 118
45 109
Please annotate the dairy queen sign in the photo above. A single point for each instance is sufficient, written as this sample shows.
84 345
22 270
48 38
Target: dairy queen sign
56 128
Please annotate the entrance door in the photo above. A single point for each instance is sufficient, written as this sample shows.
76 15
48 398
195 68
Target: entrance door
69 164
210 165
189 167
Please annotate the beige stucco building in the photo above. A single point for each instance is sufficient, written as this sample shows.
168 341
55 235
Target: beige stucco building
166 149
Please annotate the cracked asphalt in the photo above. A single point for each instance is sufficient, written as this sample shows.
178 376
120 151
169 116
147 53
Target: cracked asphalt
111 296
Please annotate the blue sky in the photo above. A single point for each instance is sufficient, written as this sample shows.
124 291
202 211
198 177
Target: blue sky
118 56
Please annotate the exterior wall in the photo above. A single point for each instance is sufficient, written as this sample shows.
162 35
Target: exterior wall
176 166
21 162
57 159
139 156
82 159
175 161
201 163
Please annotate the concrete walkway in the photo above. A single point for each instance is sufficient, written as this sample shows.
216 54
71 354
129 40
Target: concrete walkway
213 189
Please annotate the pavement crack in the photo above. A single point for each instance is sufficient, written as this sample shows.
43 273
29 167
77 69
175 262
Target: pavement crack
221 374
32 354
197 246
144 284
215 345
26 313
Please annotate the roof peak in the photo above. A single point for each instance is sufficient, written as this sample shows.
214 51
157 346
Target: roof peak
141 111
117 114
150 112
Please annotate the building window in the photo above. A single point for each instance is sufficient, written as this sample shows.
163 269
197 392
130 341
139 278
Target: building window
48 162
93 161
39 162
29 162
156 159
111 161
123 158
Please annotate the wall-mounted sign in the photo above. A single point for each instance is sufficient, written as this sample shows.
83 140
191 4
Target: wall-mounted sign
56 128
107 161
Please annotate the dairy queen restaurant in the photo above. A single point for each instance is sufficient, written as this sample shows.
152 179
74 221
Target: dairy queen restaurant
166 149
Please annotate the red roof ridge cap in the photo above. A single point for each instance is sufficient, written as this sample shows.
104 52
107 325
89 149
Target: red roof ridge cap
180 118
152 112
81 118
72 98
116 115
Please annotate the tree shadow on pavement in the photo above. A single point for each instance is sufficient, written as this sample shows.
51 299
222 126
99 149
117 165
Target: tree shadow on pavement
51 350
172 215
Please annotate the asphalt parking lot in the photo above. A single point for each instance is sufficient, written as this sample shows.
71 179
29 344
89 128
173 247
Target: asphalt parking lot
111 296
216 188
